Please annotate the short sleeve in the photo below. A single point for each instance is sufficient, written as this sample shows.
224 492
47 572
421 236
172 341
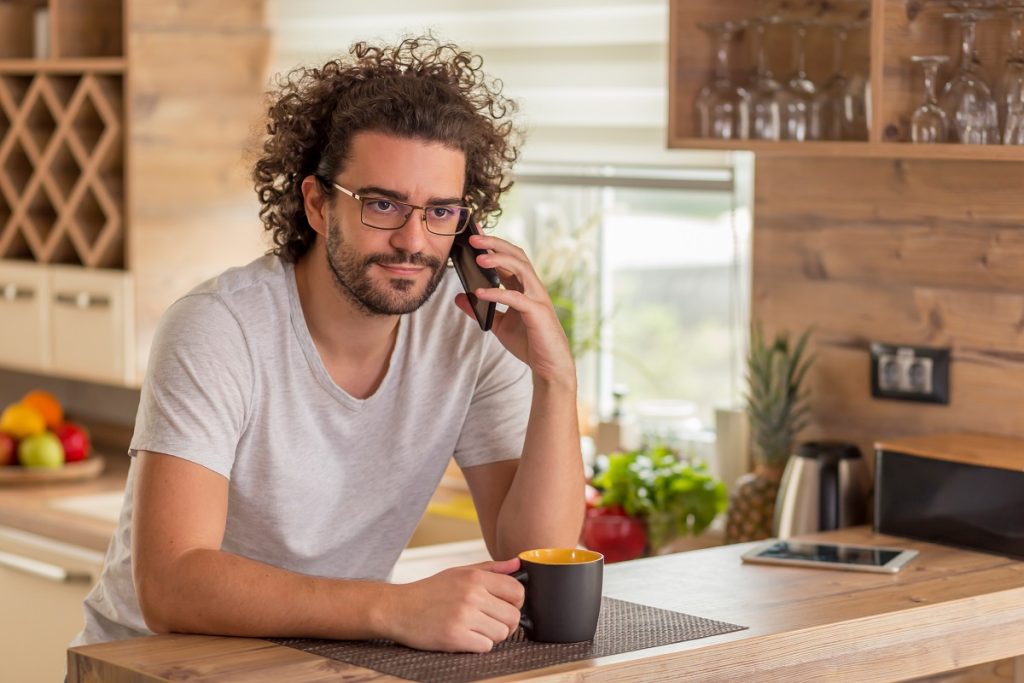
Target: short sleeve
495 426
198 386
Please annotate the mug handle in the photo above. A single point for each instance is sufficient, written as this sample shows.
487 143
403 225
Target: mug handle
522 577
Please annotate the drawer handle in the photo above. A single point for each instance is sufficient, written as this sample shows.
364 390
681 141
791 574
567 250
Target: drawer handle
83 300
12 292
43 570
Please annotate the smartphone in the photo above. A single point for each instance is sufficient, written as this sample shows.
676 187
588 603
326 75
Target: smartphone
830 556
474 276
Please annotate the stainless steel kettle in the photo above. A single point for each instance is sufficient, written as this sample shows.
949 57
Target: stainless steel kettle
825 486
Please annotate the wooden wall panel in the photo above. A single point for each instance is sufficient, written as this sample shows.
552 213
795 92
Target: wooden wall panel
923 253
197 75
189 14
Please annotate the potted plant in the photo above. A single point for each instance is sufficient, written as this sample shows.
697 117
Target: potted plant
777 409
643 499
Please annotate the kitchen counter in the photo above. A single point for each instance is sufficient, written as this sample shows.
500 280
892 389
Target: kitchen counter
946 610
31 508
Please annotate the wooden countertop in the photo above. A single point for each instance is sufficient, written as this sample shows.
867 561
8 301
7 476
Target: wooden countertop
989 450
947 609
28 507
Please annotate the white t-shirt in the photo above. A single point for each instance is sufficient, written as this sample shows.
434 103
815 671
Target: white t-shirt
320 482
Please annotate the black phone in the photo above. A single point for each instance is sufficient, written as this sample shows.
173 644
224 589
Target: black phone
474 276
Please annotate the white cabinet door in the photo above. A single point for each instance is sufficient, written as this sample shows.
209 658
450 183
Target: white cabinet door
24 329
42 585
92 324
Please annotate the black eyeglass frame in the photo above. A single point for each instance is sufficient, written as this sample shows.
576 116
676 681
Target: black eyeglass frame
411 208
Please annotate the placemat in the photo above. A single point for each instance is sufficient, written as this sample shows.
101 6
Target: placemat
623 627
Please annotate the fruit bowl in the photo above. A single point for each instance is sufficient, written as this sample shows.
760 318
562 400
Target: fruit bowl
70 472
38 446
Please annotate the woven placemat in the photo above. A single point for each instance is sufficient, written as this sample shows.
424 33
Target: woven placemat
623 627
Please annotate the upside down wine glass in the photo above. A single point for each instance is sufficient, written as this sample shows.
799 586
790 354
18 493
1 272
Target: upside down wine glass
967 98
761 106
928 124
796 100
829 102
1012 91
857 99
719 110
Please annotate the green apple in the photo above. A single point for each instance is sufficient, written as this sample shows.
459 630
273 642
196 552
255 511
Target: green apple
41 451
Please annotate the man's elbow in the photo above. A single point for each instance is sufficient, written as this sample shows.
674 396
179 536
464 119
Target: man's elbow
155 593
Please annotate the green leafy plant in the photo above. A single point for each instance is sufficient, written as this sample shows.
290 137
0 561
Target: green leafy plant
674 496
776 401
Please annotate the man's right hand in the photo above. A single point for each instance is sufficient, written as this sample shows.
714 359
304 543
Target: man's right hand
463 609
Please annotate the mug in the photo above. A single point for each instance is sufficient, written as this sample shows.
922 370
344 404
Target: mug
563 593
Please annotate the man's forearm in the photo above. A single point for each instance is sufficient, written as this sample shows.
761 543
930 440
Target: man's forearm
215 592
544 505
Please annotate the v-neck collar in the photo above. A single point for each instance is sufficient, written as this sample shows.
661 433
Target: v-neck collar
316 363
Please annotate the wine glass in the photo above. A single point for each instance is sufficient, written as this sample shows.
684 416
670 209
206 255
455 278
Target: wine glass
830 100
857 98
1011 102
761 106
929 123
796 100
967 98
719 111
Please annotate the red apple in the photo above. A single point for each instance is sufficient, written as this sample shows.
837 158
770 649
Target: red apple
75 440
8 450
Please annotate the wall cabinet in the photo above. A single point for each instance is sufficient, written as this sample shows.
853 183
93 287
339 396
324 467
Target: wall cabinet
123 174
880 45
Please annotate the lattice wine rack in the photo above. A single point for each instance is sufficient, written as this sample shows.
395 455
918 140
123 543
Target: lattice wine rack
61 168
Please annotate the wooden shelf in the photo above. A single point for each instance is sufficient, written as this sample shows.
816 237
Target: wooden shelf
107 65
860 150
898 29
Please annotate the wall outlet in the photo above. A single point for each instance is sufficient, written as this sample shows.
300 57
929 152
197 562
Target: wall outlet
910 373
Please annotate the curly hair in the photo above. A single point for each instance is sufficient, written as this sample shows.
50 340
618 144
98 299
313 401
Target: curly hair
420 88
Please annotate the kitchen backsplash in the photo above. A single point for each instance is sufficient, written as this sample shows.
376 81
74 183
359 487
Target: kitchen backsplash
907 252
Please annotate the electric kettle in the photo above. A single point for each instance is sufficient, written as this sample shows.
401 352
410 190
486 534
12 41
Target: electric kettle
825 486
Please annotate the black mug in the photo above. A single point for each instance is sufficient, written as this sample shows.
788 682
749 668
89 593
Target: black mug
563 594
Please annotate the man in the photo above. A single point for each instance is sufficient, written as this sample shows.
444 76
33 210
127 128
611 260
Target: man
298 412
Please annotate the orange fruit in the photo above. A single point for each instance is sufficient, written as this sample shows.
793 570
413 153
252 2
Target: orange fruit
21 421
47 405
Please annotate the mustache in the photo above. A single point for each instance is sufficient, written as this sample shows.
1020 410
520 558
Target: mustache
402 258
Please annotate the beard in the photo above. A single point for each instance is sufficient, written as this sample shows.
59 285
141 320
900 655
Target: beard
351 275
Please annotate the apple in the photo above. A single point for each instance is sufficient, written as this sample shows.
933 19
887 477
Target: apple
41 451
75 440
8 450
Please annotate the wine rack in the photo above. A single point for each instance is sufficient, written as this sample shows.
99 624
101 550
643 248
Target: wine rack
61 168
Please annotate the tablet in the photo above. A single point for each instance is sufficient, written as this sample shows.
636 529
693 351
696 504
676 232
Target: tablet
830 556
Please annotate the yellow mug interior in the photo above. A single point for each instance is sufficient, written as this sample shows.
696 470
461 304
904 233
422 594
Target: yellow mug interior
560 556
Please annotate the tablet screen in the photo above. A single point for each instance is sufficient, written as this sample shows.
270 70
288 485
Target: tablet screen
822 552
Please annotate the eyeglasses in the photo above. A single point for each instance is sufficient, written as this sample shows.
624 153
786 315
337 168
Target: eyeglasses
389 214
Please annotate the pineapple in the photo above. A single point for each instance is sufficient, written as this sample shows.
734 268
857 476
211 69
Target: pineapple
777 409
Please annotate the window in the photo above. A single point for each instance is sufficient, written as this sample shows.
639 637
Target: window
650 271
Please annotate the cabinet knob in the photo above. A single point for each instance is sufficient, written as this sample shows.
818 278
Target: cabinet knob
12 292
83 299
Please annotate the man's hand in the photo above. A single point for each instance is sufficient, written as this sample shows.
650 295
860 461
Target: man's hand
464 609
529 329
